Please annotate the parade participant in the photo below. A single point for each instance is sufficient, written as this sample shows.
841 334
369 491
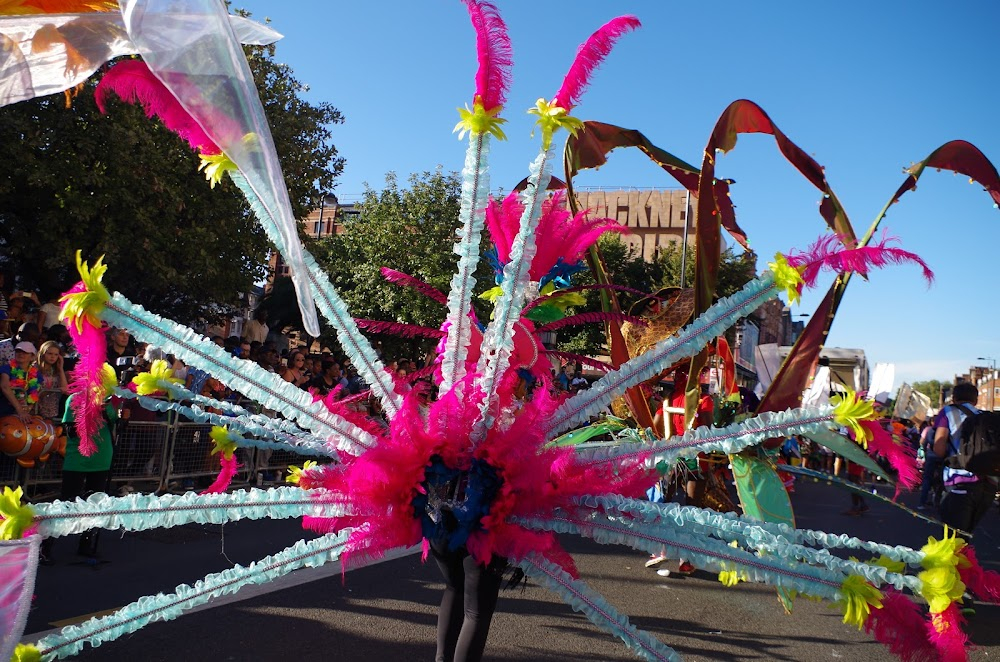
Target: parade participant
512 490
83 474
967 496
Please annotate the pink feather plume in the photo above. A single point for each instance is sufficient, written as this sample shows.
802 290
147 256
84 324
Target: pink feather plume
494 51
560 234
589 56
228 470
88 405
901 457
945 633
591 318
398 329
985 584
133 82
502 221
900 627
824 254
401 278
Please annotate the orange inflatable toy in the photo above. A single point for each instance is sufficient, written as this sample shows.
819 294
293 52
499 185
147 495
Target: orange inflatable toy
34 441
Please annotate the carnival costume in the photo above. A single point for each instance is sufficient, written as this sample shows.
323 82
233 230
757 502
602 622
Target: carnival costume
475 469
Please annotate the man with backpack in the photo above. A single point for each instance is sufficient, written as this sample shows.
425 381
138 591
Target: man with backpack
962 436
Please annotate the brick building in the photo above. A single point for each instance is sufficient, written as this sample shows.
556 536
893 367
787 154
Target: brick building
326 220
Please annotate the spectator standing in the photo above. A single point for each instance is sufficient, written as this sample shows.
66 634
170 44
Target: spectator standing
256 329
562 381
25 333
24 308
296 372
19 383
53 380
967 496
330 378
121 347
48 314
933 465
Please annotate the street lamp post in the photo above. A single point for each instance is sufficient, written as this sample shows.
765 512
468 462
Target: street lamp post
993 374
324 200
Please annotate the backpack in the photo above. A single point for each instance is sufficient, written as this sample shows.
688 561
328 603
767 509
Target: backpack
979 444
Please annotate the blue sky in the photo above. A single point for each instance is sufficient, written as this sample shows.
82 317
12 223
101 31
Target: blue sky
866 88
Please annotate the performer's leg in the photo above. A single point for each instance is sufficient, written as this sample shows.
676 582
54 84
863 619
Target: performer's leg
93 481
451 613
482 588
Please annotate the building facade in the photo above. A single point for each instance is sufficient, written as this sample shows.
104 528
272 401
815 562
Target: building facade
326 220
654 217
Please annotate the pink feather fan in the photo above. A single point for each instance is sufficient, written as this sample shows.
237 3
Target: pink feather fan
494 51
589 56
824 255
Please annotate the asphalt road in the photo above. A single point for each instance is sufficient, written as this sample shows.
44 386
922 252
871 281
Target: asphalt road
388 611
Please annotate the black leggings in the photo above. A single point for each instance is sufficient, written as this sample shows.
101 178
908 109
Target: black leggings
468 603
74 484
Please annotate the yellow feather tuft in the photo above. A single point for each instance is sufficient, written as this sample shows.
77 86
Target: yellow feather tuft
551 118
215 167
858 597
26 653
88 303
223 442
849 410
787 277
480 121
16 517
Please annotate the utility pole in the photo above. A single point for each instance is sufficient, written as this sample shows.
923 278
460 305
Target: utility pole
684 244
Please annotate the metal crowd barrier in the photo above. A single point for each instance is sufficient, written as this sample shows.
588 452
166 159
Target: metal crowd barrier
173 455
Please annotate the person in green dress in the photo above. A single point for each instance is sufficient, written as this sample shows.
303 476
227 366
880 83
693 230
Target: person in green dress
83 475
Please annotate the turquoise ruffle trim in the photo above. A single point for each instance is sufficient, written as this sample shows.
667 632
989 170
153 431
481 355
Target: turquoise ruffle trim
598 610
71 639
687 342
140 512
472 216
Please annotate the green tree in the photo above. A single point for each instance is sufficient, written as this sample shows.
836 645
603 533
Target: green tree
932 389
123 186
410 230
625 266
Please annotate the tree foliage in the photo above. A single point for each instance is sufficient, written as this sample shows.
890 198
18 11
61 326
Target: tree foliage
407 229
932 389
123 186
